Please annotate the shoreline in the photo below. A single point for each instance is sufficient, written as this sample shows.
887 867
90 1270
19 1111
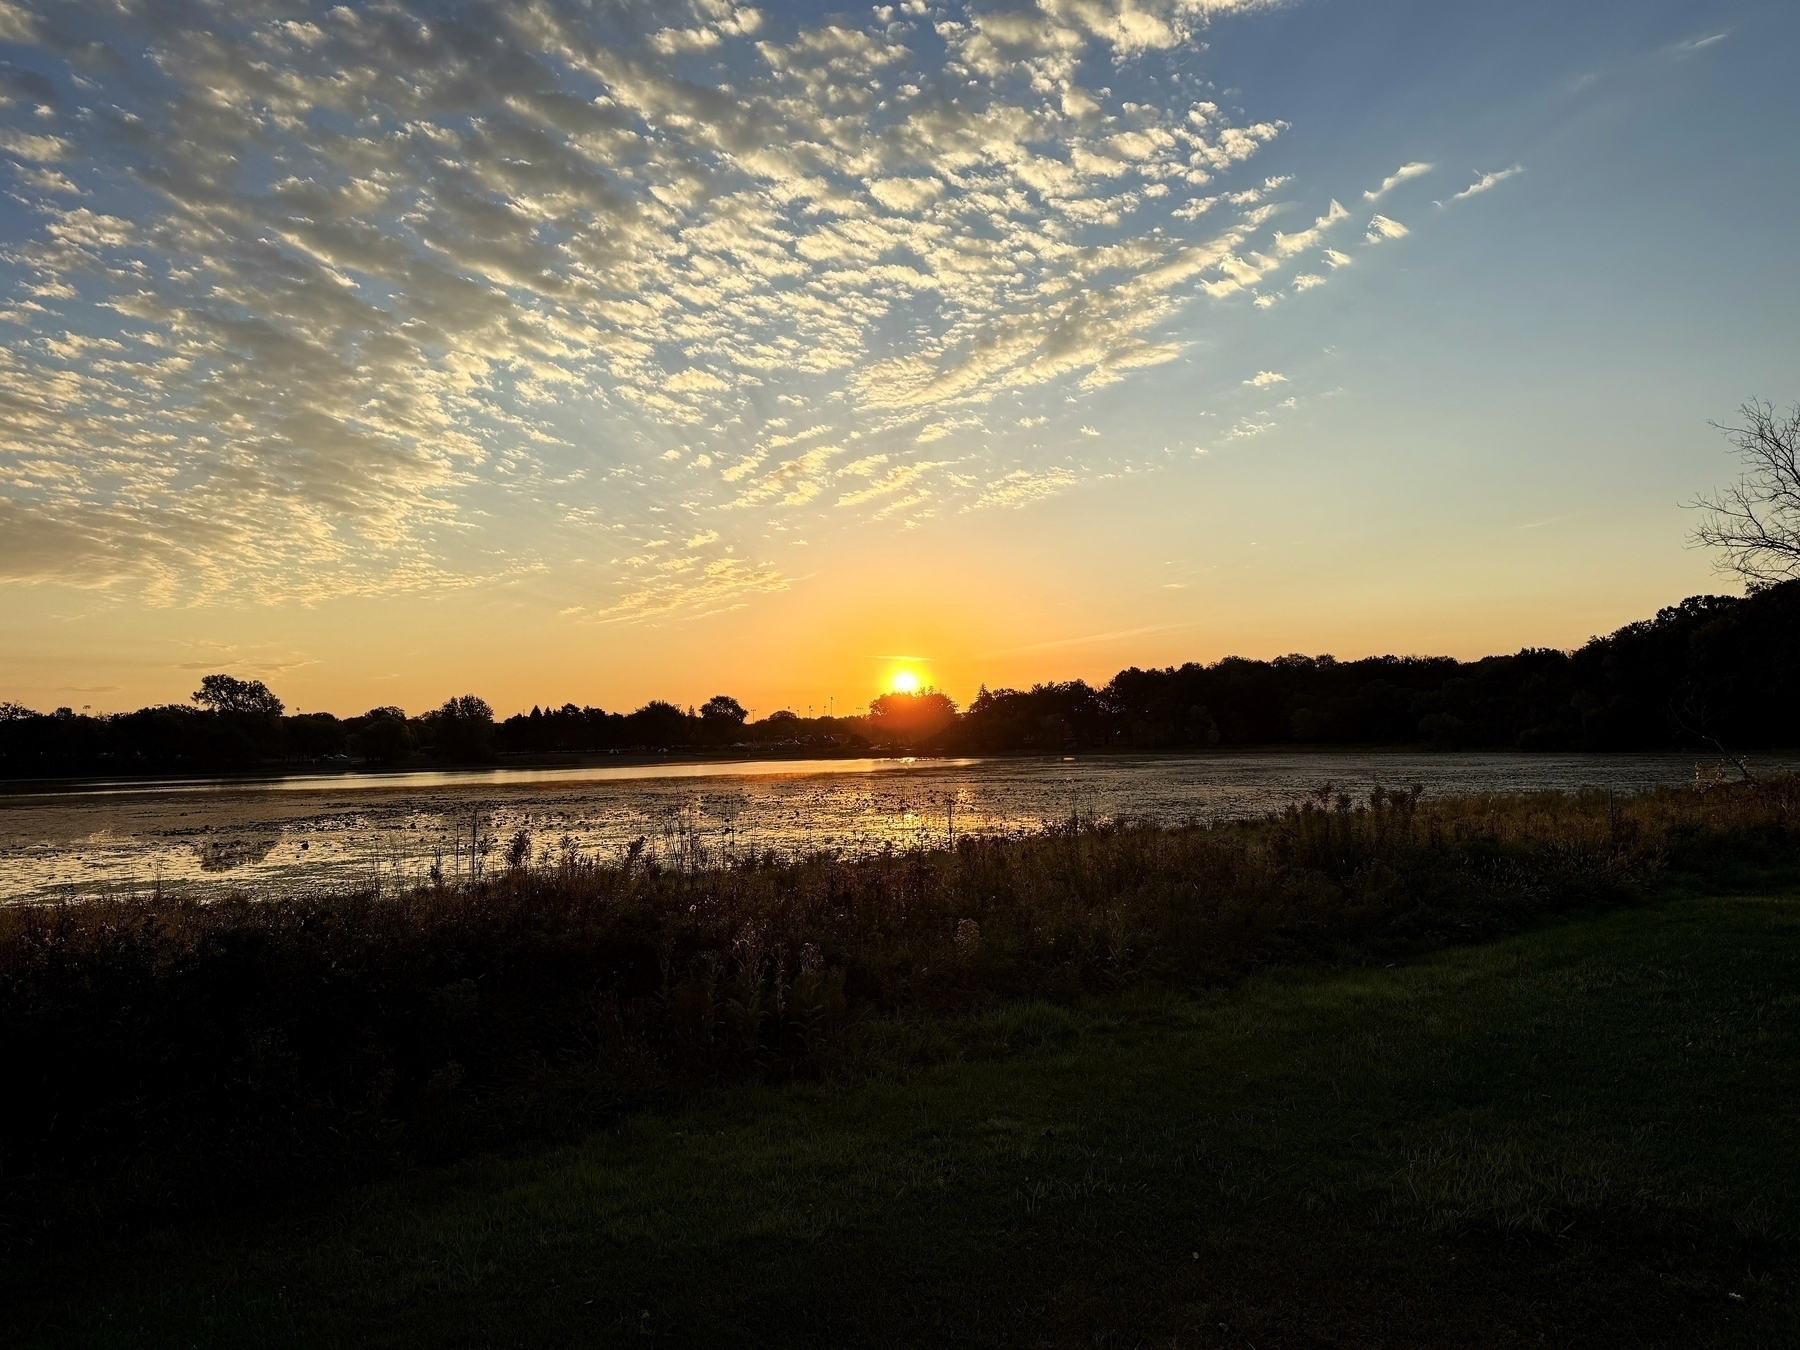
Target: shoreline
526 768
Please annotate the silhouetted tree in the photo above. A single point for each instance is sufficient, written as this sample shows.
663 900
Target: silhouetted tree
225 694
382 735
911 718
241 726
785 728
1755 523
1045 717
564 730
313 736
657 724
722 718
463 729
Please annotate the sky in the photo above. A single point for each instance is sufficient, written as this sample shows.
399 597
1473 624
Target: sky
606 352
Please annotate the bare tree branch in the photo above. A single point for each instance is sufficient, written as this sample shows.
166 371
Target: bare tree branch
1694 716
1755 523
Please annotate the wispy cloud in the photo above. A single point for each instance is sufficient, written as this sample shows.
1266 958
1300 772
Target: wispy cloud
1692 45
1087 638
720 582
1023 486
895 479
1287 245
1396 178
1486 181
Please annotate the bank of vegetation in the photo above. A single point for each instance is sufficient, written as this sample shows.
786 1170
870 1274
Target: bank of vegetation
1715 674
163 1056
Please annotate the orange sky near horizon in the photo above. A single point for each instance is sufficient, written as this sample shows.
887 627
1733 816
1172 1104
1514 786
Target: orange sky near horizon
1019 604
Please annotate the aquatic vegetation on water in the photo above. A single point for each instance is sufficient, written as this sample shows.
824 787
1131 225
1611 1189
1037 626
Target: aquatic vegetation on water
402 830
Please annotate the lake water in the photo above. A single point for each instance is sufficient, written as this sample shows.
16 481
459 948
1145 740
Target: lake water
279 835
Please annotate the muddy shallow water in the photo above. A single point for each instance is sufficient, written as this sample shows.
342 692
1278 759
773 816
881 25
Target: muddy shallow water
280 835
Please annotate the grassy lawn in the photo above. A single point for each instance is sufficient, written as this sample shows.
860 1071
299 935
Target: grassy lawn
1589 1134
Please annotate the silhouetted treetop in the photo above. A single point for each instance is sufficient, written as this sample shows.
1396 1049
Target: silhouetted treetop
723 708
462 731
911 717
226 694
465 708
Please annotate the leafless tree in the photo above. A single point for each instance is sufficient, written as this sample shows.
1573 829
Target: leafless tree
1755 523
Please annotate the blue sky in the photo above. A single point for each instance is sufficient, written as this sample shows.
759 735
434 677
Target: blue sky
707 344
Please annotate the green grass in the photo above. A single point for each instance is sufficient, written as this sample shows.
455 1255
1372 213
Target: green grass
1586 1134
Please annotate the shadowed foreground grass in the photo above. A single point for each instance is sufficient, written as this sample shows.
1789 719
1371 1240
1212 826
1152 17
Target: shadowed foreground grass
1586 1134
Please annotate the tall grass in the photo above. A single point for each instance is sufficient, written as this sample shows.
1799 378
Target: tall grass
162 1054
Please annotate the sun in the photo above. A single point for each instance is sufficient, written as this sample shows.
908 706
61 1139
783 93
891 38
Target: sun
904 682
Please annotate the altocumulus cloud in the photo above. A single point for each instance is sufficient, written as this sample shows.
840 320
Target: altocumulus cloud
302 291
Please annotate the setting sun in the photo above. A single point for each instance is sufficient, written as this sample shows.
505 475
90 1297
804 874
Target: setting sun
904 682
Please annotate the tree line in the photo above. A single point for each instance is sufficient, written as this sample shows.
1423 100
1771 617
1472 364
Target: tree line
1714 673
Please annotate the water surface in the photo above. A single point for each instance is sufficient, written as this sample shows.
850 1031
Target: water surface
278 835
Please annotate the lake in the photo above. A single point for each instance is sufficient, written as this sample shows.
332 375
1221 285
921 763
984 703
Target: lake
209 837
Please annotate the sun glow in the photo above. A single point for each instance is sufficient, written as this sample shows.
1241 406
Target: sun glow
904 682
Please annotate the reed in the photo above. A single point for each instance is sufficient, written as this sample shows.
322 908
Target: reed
163 1054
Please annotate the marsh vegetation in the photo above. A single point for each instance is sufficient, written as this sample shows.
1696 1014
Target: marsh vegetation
183 1055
